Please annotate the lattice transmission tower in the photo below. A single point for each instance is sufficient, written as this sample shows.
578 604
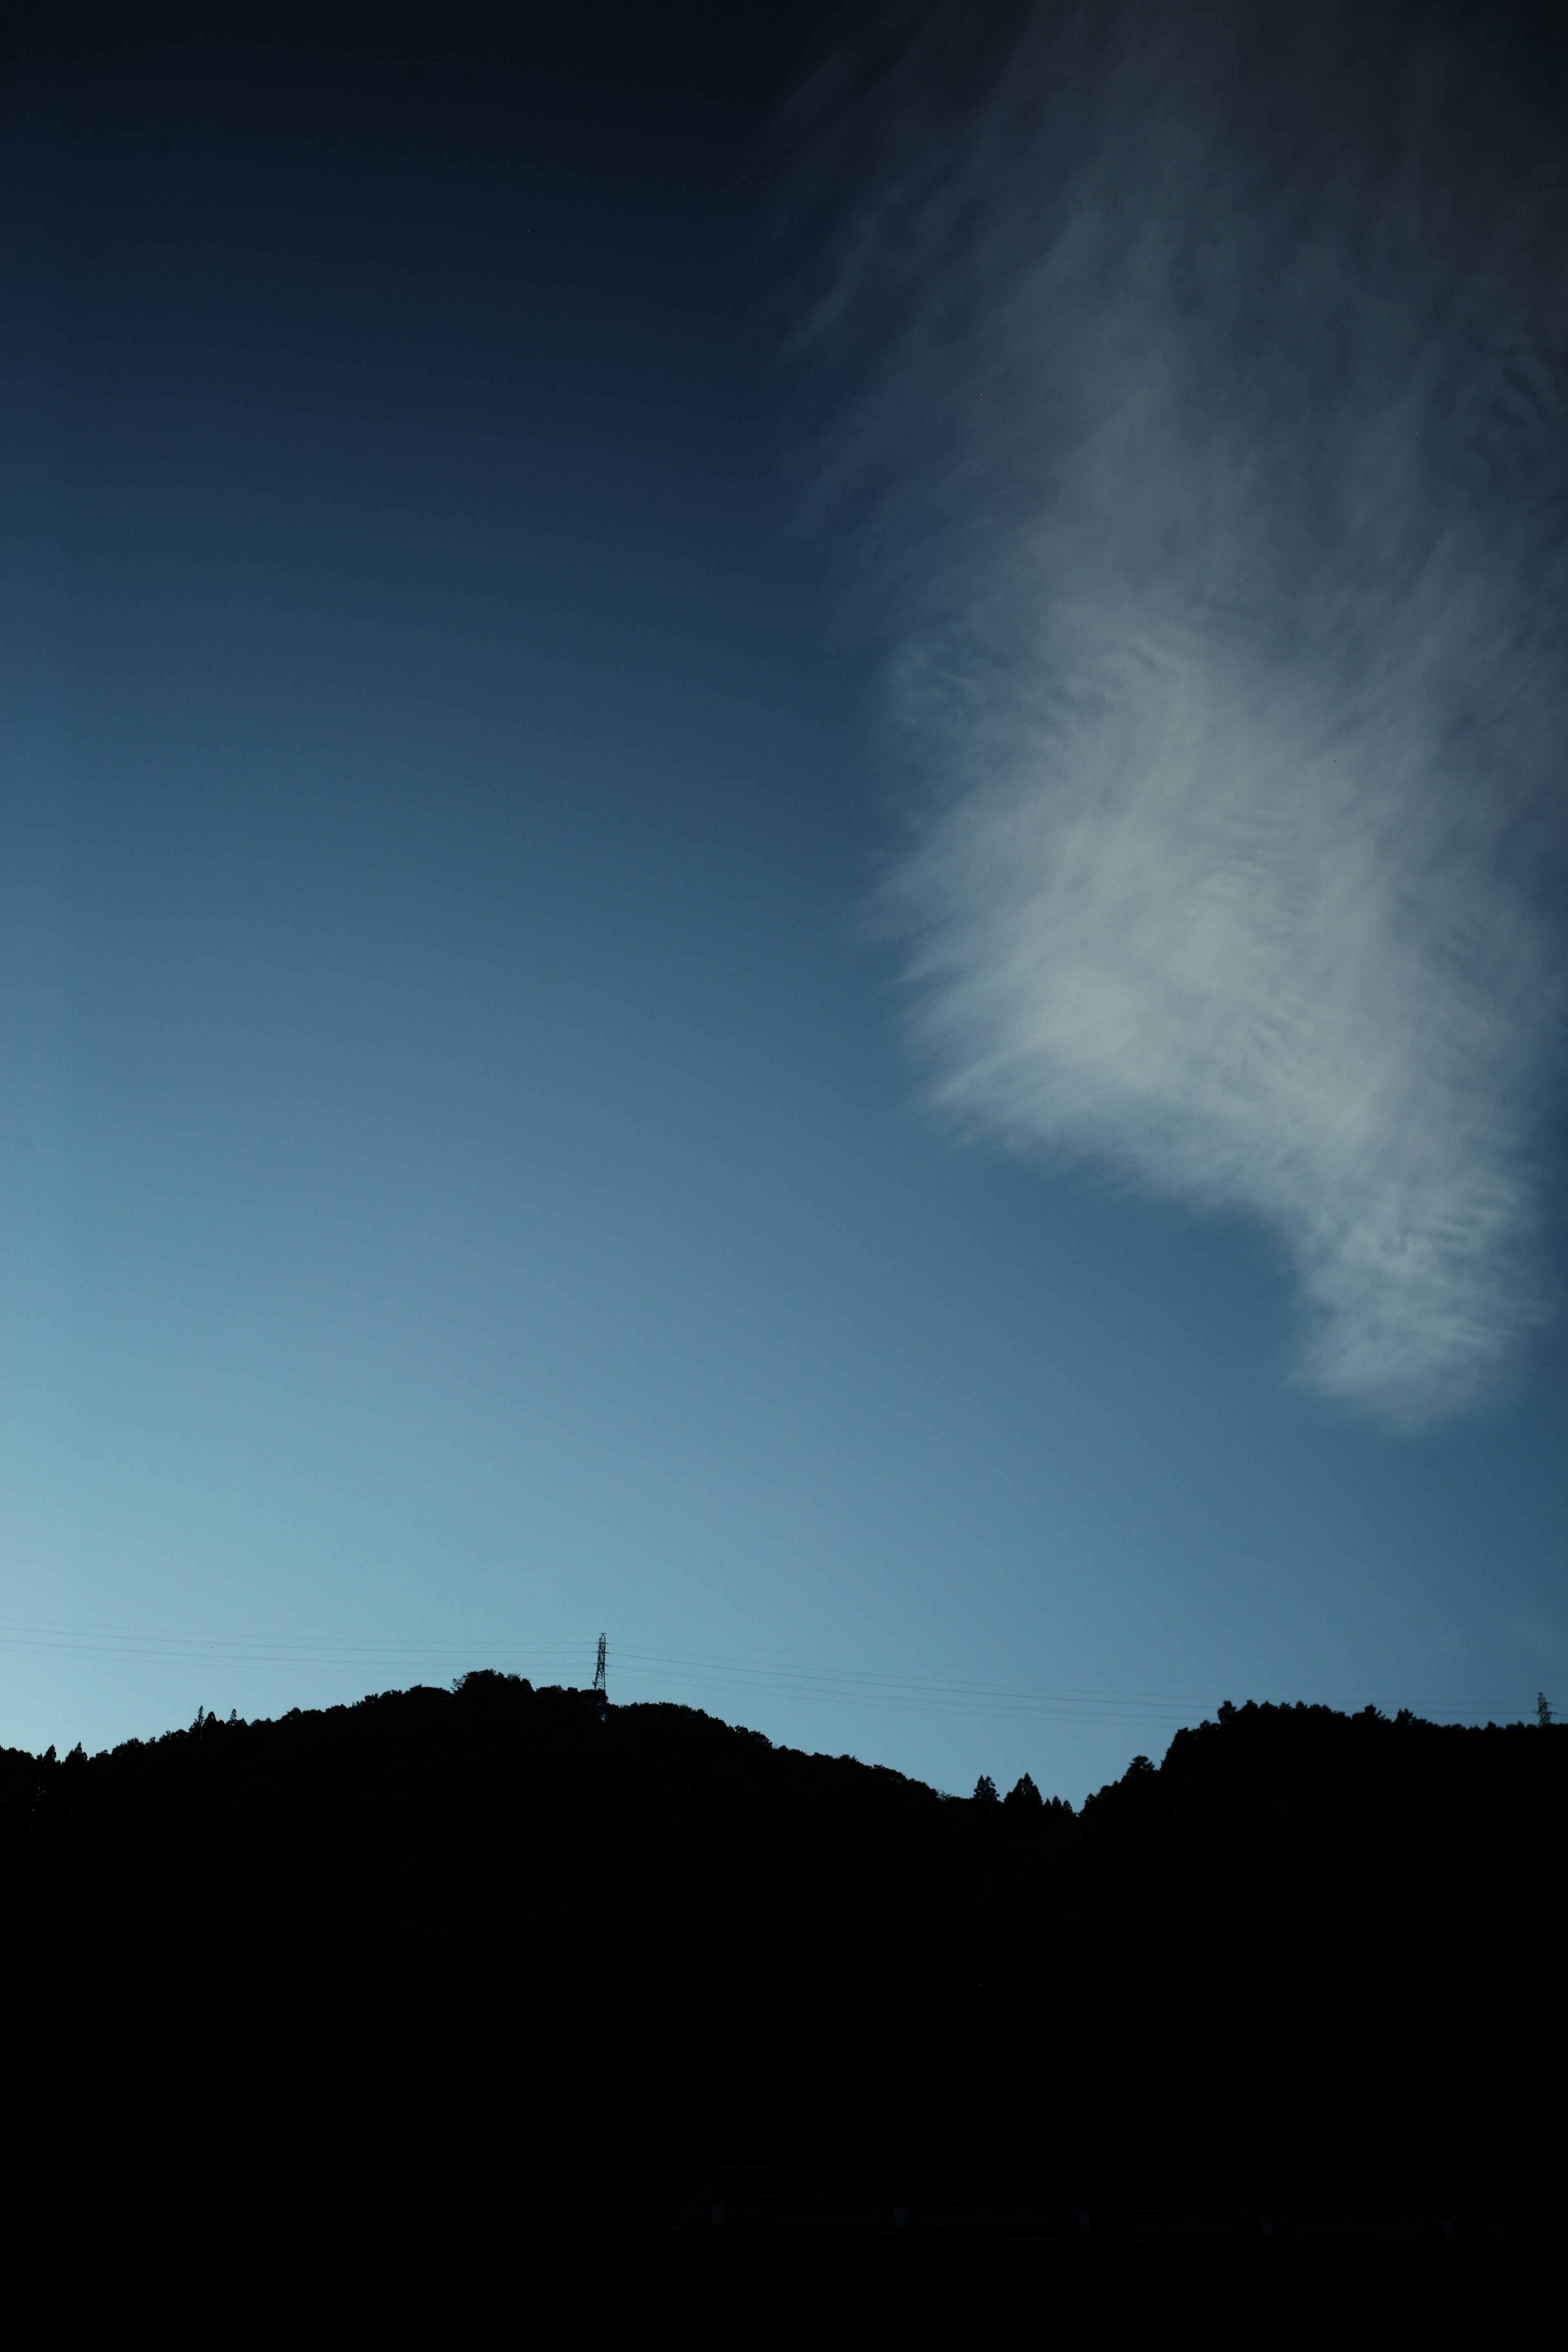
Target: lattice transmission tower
599 1690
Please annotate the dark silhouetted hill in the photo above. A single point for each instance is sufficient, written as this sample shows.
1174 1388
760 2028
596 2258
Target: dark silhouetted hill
504 1968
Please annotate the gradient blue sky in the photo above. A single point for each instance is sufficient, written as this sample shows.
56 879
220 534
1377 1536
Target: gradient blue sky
466 1181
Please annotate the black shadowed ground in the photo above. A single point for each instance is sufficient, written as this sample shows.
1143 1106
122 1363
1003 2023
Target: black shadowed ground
448 1990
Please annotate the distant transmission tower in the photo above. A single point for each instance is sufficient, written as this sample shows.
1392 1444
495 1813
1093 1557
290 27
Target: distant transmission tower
599 1690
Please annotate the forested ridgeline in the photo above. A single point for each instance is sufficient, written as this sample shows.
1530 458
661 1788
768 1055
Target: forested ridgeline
495 1809
512 1951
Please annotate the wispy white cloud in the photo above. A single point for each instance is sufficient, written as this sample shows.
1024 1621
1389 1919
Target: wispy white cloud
1199 405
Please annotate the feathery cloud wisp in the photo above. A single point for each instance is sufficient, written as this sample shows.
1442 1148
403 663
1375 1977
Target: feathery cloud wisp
1206 430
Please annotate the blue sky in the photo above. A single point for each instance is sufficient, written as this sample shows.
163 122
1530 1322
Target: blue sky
471 1169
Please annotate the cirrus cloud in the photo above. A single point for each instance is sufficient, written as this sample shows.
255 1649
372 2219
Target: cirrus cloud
1200 397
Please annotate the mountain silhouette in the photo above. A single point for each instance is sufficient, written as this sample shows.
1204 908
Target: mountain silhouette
386 2000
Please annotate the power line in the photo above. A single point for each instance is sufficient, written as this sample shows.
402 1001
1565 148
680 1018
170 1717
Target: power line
655 1670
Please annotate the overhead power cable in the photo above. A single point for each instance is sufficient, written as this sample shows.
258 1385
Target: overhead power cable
655 1671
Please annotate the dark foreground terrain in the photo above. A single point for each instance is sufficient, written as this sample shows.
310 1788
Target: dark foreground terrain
488 2008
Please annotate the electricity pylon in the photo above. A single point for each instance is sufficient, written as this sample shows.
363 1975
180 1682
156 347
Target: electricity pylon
599 1690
